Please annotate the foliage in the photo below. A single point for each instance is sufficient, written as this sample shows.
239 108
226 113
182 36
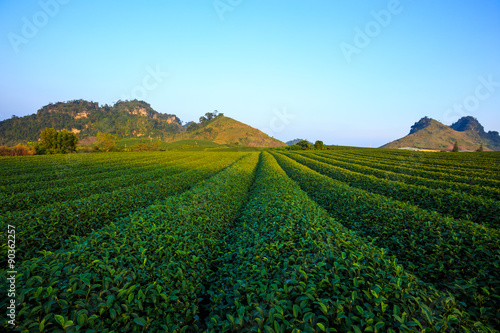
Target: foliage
145 271
455 147
305 145
210 116
106 141
477 209
55 142
289 267
18 150
428 244
247 241
319 145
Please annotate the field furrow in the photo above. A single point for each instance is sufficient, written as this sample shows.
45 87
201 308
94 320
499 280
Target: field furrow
447 202
143 273
414 165
90 175
49 227
35 199
368 168
289 267
455 255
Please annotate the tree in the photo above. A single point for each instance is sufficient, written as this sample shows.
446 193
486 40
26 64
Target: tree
455 147
106 141
480 149
305 145
319 145
55 142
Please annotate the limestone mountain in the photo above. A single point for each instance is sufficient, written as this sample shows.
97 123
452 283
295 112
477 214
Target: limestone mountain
128 119
428 133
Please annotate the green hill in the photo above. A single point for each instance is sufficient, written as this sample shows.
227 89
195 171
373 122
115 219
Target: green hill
225 130
131 120
428 133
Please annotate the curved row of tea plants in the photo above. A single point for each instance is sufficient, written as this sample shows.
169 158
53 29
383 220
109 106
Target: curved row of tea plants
289 267
372 168
446 202
126 166
107 183
146 273
455 255
414 167
49 227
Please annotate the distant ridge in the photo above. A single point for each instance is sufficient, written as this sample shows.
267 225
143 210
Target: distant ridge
129 119
428 133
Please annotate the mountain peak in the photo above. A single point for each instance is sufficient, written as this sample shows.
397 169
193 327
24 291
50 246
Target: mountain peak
468 123
421 124
428 133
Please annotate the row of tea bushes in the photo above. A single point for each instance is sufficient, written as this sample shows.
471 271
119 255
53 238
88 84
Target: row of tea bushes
51 167
145 273
475 165
417 165
289 267
456 255
392 173
108 183
446 202
125 167
49 227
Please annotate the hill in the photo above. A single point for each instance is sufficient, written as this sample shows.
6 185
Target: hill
225 130
428 133
129 119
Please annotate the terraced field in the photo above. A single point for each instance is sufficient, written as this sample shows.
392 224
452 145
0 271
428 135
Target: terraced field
274 241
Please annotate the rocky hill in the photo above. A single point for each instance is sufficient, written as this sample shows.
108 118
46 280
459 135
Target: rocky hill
428 133
129 119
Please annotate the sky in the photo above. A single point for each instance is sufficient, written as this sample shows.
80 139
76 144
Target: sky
346 72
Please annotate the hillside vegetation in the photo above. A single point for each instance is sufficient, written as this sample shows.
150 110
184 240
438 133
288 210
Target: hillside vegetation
129 119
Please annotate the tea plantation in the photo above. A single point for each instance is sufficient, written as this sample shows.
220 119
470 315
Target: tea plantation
359 240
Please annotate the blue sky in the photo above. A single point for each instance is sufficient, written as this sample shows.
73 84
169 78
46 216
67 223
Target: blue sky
345 72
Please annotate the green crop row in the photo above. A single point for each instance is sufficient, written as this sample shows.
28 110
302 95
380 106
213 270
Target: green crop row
33 199
49 227
466 162
374 169
413 165
71 165
446 202
91 174
455 255
289 267
146 273
41 163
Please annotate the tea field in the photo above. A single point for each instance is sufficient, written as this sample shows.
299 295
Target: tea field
357 240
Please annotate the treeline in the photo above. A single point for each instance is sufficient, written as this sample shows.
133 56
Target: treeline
50 142
192 126
64 141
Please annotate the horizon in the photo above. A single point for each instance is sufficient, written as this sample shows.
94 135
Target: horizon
344 73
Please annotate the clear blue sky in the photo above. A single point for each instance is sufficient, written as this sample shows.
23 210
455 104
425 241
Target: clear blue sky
329 70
